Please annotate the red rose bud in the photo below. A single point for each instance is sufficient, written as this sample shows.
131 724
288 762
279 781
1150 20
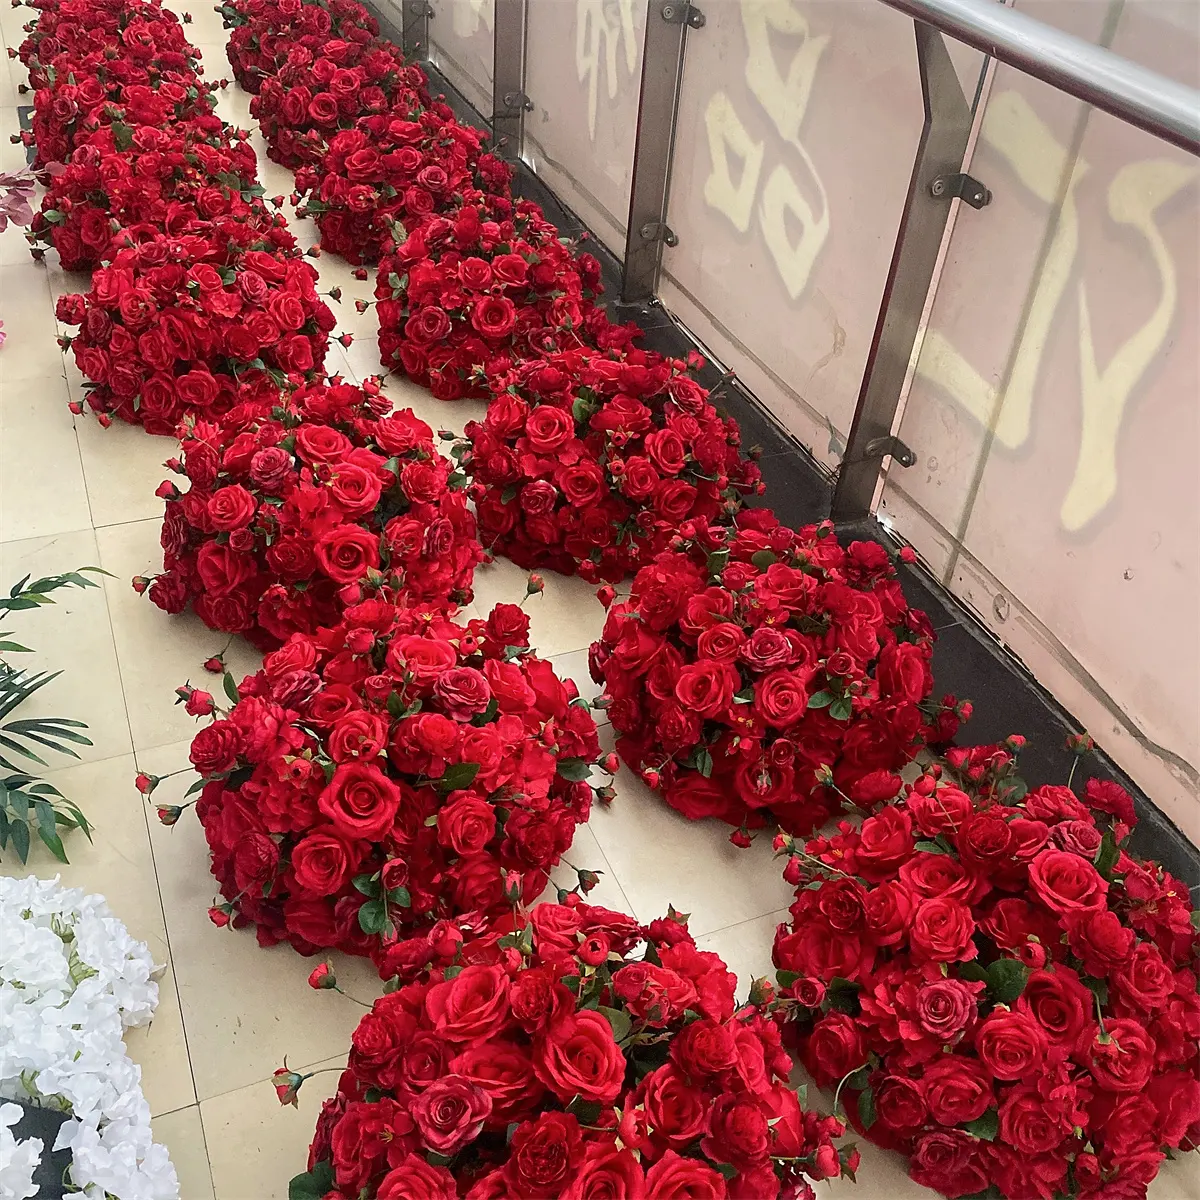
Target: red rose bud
361 306
610 763
824 775
76 407
907 554
535 585
394 874
104 420
168 814
165 490
140 584
199 704
791 872
1080 743
277 201
313 252
219 915
606 794
514 882
359 272
287 1085
782 843
739 837
322 979
925 786
964 710
173 464
1014 741
606 595
650 777
587 879
146 783
335 293
593 950
215 665
346 339
294 198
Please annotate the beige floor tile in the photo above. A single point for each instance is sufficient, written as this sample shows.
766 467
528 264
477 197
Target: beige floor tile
565 617
1178 1180
14 249
244 1007
157 651
31 349
746 948
73 636
118 865
255 1145
659 857
452 415
585 855
42 485
182 1133
122 467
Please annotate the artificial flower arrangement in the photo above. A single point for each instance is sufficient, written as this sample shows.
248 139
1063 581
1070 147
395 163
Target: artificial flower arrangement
387 773
477 288
264 32
569 1054
71 981
590 462
124 184
316 93
766 675
297 508
996 985
380 178
195 323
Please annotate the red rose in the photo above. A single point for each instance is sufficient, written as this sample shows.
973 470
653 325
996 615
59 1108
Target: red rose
1059 1003
942 812
360 800
781 698
942 930
215 749
547 428
427 325
900 1103
952 1163
543 1154
471 1005
945 1008
347 552
835 1048
1067 883
957 1089
322 864
466 825
505 1072
1145 980
738 1133
705 1048
1030 1124
673 1177
231 508
903 672
1012 1045
885 841
360 735
1100 940
450 1113
706 688
415 1179
463 692
221 570
494 316
607 1173
1121 1058
579 1057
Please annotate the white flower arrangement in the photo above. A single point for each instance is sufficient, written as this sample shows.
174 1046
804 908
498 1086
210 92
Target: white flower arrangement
71 980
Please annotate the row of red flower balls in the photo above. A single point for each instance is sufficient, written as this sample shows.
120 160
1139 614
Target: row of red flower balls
951 1159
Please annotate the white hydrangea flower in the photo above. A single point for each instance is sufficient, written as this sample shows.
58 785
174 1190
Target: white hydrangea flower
18 1160
72 979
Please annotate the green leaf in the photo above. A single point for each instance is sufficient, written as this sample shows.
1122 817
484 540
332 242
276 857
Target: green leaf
122 136
843 995
458 776
728 1170
1107 855
576 770
1006 979
314 1184
230 688
395 705
972 972
841 708
764 559
986 1127
821 699
366 884
582 410
620 1021
372 917
1097 987
704 762
586 1111
20 839
509 494
929 848
785 979
717 561
400 897
866 1108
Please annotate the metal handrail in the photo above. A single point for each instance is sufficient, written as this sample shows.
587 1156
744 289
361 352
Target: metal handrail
1161 106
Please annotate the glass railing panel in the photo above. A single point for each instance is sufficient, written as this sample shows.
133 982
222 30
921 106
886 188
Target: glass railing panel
1054 410
798 126
461 46
583 71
